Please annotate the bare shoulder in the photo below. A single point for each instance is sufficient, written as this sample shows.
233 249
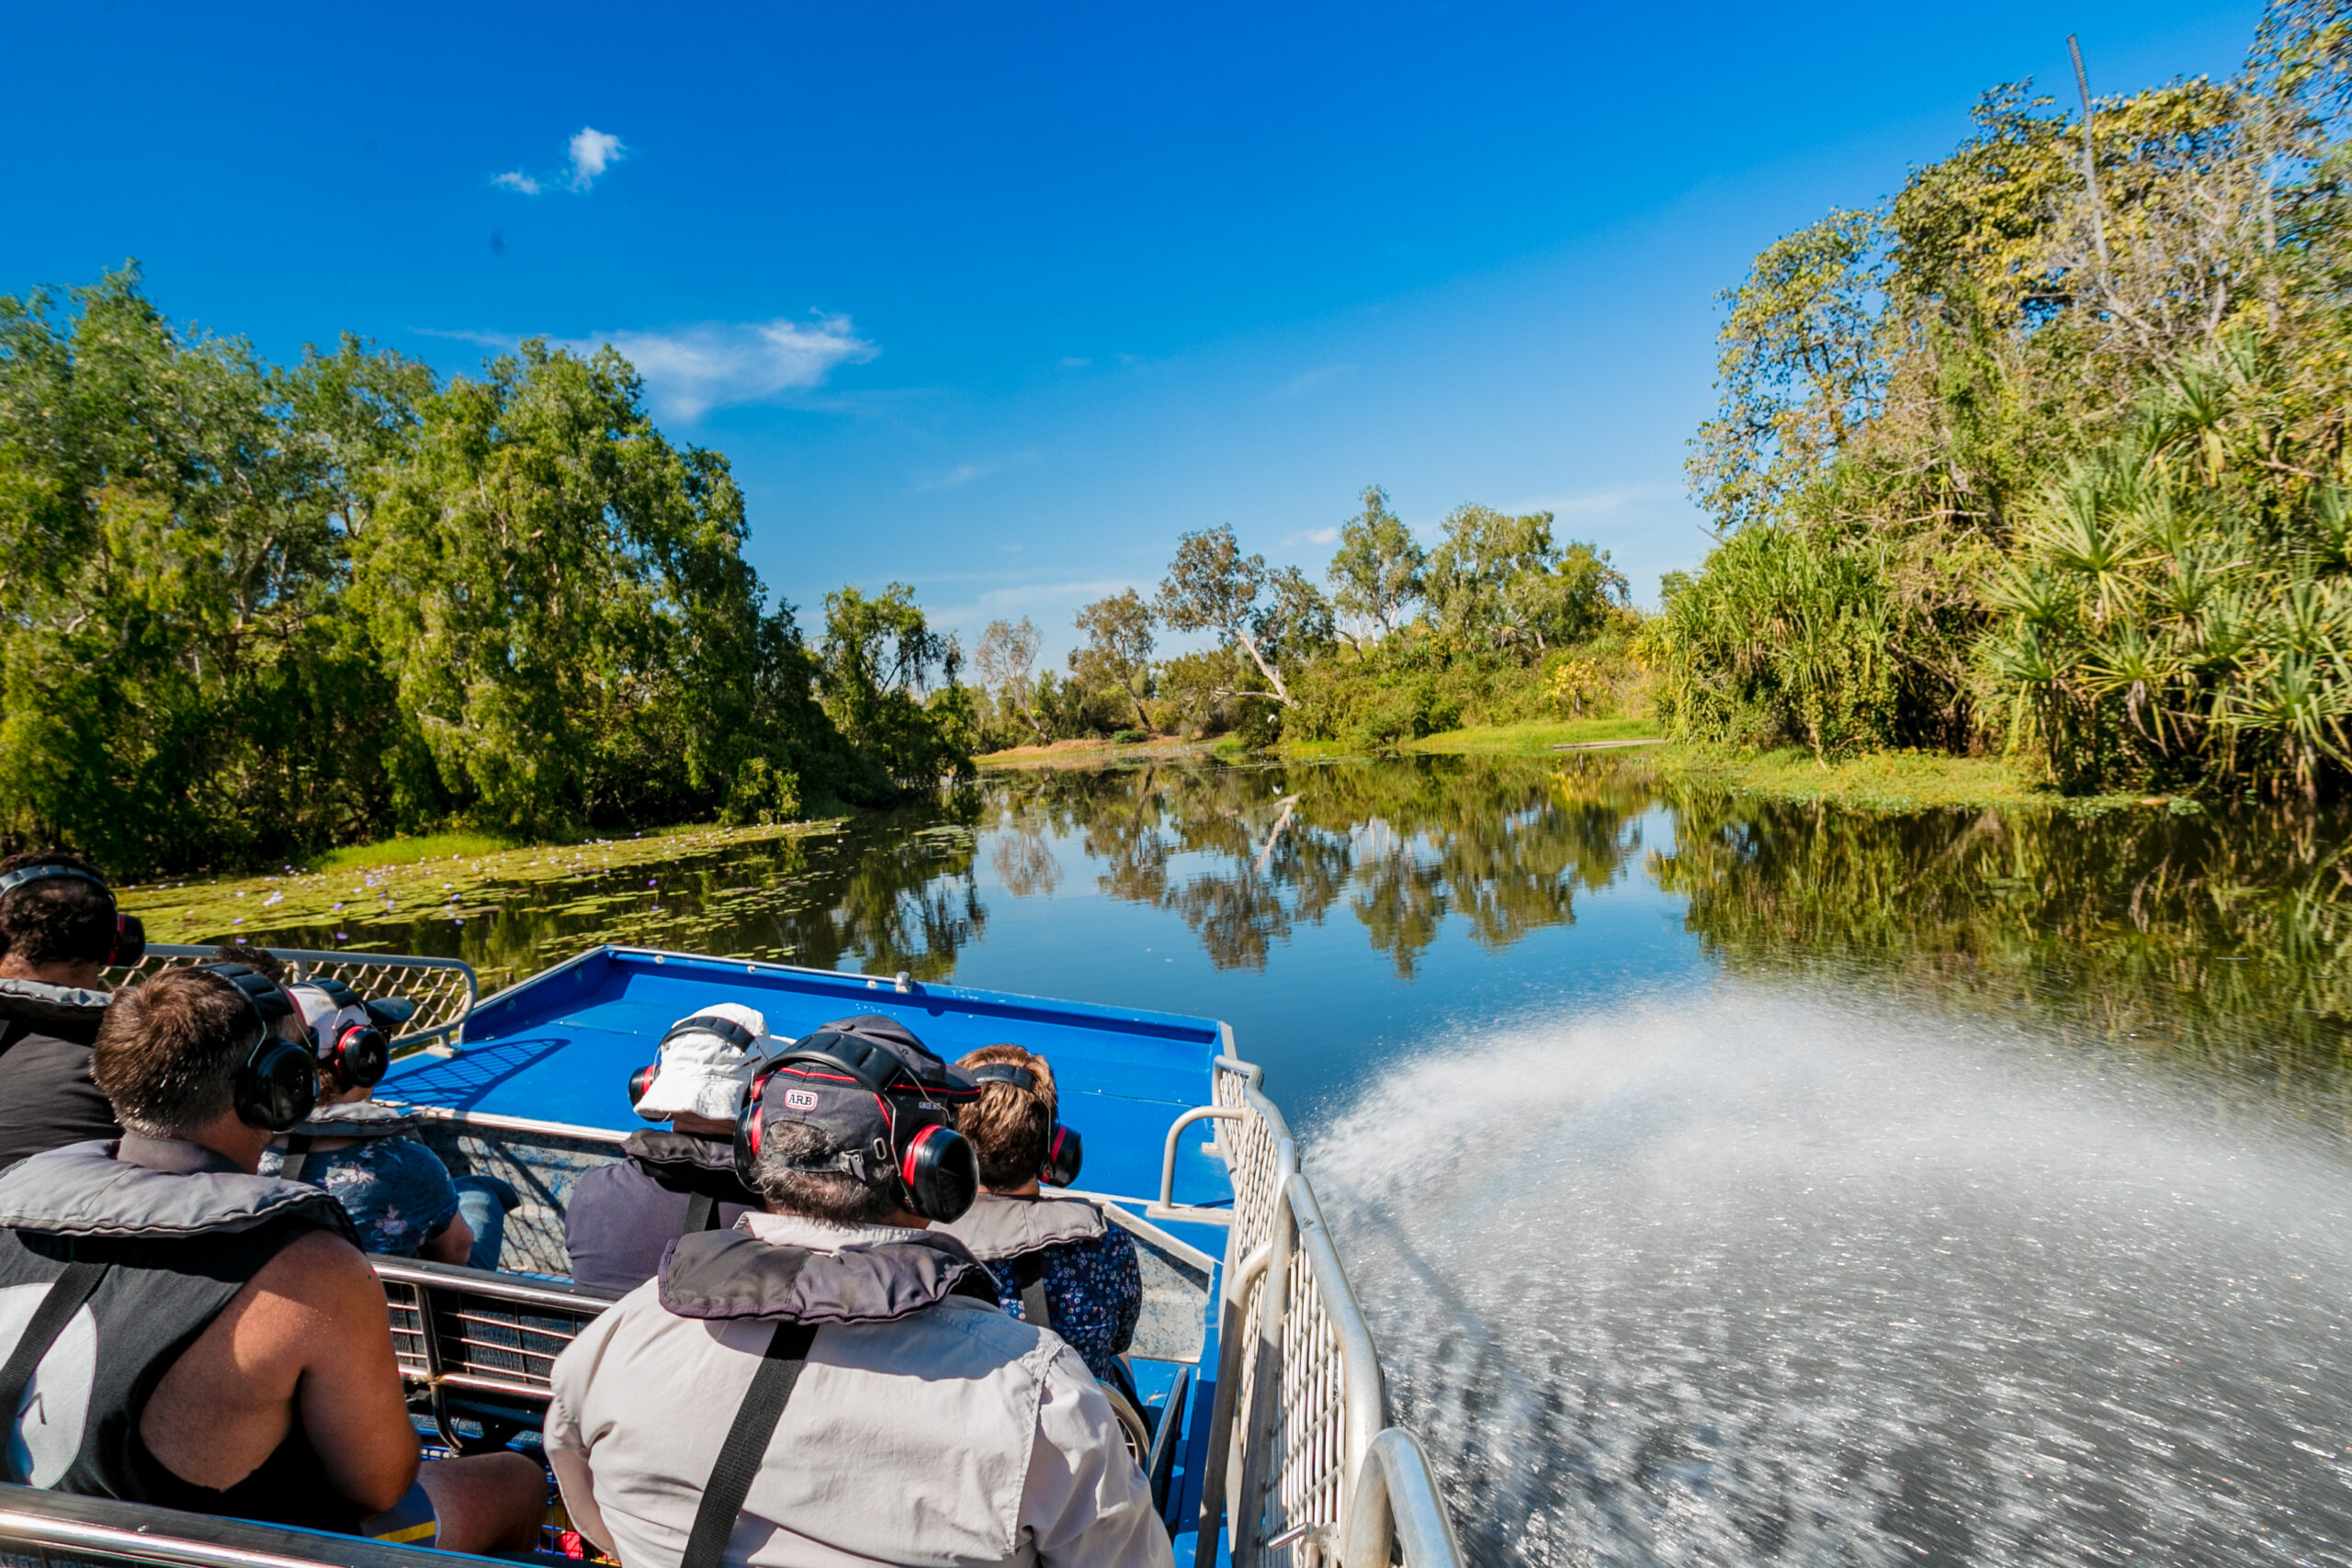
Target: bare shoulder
323 1272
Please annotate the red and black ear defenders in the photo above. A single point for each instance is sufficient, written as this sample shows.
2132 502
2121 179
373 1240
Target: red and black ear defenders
727 1029
360 1054
278 1084
932 1169
1064 1150
129 932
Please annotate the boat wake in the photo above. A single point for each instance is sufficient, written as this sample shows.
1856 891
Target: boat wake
1749 1275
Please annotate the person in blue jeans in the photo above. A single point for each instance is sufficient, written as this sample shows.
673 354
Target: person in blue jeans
1054 1257
399 1196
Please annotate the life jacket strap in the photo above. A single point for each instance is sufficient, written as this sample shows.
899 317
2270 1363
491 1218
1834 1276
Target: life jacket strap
747 1444
1029 1274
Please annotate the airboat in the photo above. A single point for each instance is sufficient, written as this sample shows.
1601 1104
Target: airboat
1263 1425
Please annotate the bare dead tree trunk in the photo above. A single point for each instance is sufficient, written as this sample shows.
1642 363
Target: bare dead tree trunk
2091 161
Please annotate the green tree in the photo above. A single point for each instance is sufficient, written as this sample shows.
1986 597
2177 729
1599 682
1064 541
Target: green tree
2072 448
877 661
1117 652
180 686
1212 586
1378 570
559 593
1798 368
1005 663
1498 582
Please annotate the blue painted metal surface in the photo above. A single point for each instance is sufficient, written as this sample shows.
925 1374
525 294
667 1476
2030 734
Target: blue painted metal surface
560 1047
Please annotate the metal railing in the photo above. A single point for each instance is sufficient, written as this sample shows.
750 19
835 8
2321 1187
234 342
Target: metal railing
443 988
1303 1466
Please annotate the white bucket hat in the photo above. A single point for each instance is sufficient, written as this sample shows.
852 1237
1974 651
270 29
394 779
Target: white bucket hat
703 1072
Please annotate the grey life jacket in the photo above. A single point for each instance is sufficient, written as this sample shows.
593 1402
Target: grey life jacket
111 1267
1012 1235
731 1275
361 1122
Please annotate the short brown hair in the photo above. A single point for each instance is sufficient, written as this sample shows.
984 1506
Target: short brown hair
786 1149
58 919
168 1050
1009 1127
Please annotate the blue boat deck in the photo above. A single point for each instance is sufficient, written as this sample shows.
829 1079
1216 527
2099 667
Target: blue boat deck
559 1047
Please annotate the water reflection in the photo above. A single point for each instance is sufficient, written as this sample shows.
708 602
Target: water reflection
2221 943
1245 856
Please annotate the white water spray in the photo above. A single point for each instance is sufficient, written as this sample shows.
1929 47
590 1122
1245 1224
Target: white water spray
1744 1275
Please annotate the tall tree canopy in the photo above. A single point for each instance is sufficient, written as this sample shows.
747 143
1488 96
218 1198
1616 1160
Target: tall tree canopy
2061 437
247 611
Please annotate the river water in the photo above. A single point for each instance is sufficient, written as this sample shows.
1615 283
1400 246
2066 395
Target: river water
1727 1181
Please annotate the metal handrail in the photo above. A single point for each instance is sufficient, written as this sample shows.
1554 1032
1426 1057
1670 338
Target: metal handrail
1166 1208
1303 1468
443 1006
1395 1501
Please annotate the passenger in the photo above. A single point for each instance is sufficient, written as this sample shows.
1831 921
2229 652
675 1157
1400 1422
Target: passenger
59 931
621 1217
184 1331
871 1403
399 1196
1058 1262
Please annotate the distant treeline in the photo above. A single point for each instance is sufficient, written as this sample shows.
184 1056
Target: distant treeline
250 611
2047 453
1499 622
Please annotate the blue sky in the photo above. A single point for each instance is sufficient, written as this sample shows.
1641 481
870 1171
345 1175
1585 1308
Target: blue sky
1000 300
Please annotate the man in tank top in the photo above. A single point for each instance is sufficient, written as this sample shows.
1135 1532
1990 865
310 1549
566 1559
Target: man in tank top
216 1342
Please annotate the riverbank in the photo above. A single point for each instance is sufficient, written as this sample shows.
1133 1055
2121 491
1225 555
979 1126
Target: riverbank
450 875
1883 780
1875 781
1500 739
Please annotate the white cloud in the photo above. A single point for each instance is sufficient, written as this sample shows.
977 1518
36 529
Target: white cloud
591 151
695 370
1599 503
1311 536
963 474
504 342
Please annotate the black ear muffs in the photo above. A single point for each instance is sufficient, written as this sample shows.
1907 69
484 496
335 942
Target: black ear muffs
940 1173
278 1087
278 1084
641 1080
358 1053
1065 1151
129 932
747 1128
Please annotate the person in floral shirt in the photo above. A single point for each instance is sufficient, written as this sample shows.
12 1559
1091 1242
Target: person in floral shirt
1051 1252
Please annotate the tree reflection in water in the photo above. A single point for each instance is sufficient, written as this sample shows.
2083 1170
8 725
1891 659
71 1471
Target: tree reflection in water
2216 941
2221 943
1244 856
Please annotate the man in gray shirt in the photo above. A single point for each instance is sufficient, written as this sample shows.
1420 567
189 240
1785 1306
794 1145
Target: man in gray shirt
845 1366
